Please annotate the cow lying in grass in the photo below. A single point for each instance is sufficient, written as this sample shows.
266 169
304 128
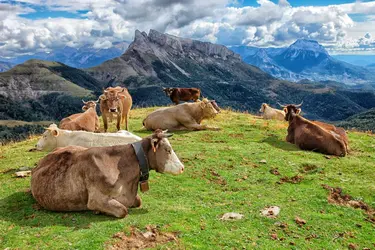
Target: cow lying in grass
310 136
271 113
103 179
186 116
87 121
54 137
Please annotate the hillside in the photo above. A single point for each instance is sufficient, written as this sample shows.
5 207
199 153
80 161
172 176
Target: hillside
42 90
361 121
223 173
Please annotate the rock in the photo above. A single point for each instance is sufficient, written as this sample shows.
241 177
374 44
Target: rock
270 212
24 168
148 235
232 216
300 221
23 173
263 161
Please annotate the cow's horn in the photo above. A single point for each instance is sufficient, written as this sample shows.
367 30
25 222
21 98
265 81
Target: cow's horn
97 100
281 105
165 131
167 135
299 105
83 101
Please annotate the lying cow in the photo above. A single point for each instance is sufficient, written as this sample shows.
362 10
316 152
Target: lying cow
54 137
182 94
118 101
186 116
87 121
103 179
271 113
310 136
337 131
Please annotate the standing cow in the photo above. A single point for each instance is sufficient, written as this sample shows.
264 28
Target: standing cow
182 94
116 101
87 121
103 179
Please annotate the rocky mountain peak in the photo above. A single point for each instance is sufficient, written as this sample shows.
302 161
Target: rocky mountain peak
308 45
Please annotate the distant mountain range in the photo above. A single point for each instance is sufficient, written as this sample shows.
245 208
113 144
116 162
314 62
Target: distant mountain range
81 57
43 90
304 59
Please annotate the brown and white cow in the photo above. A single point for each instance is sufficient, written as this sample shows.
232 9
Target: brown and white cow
118 101
310 136
103 179
182 94
271 113
186 116
87 121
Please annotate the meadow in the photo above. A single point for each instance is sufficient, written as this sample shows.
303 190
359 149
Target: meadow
243 168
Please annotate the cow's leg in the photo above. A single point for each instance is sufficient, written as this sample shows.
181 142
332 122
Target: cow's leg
118 121
105 204
105 121
137 202
196 126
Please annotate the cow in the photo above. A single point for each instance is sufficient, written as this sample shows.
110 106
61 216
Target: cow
88 120
118 101
271 113
186 116
102 179
182 94
310 136
338 131
54 137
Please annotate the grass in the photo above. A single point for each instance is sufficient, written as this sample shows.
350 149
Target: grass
223 174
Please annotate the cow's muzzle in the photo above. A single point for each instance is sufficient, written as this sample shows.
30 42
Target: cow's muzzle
113 110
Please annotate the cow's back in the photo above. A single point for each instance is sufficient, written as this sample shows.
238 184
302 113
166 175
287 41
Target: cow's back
56 183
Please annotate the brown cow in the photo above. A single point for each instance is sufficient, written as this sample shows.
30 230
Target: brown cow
116 100
186 116
309 136
336 130
182 94
88 120
103 179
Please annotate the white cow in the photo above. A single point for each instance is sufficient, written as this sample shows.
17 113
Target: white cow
54 137
271 113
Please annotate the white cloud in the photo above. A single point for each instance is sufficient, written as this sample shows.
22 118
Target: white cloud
219 21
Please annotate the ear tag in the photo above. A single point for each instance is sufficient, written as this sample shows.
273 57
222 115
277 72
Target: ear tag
144 186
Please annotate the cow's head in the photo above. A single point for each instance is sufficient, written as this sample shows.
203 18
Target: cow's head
214 104
48 141
161 157
209 111
112 97
89 104
291 110
263 107
168 91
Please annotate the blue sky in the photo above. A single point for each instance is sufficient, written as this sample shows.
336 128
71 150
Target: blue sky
29 26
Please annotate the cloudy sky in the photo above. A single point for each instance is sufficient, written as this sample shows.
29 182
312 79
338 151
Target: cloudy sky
29 26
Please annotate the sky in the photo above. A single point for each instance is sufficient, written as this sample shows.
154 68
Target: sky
31 26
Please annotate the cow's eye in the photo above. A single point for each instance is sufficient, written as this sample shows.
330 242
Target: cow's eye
168 150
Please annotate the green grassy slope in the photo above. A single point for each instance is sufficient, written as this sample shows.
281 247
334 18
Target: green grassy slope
223 174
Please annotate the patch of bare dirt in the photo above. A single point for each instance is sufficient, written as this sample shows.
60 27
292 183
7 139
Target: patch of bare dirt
300 221
336 196
151 238
239 135
294 180
274 171
308 168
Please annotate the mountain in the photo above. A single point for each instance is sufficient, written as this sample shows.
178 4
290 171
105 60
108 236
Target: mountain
154 60
81 57
4 66
305 59
37 90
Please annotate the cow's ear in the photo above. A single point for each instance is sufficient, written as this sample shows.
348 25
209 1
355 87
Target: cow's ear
102 97
285 110
298 111
122 97
54 132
